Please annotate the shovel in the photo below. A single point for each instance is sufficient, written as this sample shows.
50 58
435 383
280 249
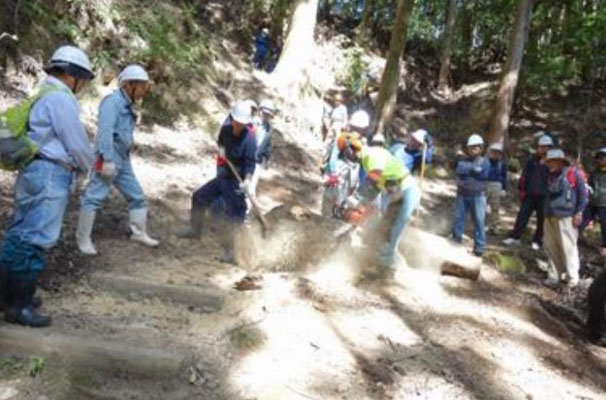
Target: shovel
253 201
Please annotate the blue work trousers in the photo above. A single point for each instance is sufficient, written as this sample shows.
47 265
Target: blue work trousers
222 188
477 206
125 181
398 215
41 196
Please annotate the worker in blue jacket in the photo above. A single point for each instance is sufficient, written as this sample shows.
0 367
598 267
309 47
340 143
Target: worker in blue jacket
238 146
115 139
410 151
472 174
43 187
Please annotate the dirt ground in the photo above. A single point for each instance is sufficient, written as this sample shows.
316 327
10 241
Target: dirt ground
316 332
311 331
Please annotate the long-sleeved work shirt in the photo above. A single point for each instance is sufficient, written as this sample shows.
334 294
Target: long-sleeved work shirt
55 126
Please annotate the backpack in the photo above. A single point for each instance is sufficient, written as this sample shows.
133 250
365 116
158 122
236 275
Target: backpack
16 148
571 175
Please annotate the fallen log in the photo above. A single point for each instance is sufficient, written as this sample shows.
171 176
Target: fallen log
428 251
83 351
207 298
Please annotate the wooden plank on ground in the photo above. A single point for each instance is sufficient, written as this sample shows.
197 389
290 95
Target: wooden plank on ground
207 298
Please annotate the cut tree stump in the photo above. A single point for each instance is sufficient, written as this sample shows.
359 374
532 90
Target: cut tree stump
89 351
207 298
424 250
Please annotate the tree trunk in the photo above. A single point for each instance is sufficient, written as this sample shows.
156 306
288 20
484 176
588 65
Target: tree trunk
279 11
391 74
447 38
500 122
467 34
364 29
291 71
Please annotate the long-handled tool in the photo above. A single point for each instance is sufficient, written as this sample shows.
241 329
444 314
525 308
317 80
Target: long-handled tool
253 201
423 163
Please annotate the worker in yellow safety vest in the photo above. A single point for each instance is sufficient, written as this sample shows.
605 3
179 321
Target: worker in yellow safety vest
383 174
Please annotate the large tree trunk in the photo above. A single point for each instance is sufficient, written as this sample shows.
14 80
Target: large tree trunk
391 74
500 122
447 38
467 34
291 71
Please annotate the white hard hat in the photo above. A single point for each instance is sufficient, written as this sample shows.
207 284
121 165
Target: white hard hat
419 135
496 147
250 103
133 72
359 119
475 140
545 140
267 106
71 55
556 154
241 112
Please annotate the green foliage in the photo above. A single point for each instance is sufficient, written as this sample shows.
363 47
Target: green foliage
35 366
247 339
507 263
164 40
353 75
564 46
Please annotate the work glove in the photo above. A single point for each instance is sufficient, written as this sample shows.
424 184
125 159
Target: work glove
108 170
245 185
331 181
222 152
357 215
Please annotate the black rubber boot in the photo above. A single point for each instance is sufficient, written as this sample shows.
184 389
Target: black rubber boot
19 309
194 230
36 301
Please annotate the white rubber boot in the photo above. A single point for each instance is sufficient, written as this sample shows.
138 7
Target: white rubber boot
86 219
138 227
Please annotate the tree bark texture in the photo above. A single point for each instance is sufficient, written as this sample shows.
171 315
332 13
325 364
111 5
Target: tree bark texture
500 122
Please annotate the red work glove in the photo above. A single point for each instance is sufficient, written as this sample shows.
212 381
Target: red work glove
357 215
331 181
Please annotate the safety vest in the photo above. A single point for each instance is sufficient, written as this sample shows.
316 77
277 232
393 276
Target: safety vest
391 168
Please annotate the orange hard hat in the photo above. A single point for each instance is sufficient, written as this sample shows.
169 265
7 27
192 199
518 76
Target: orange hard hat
349 140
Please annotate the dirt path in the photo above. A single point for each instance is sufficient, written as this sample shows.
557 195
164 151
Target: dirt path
136 323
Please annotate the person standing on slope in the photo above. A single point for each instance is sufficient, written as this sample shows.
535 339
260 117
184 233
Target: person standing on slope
115 138
43 187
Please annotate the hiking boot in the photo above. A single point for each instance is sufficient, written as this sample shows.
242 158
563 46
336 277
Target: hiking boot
511 242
